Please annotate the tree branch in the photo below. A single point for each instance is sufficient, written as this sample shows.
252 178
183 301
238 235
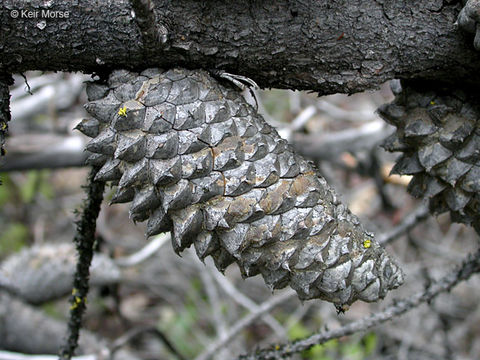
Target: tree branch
409 222
84 239
325 46
470 266
329 145
5 81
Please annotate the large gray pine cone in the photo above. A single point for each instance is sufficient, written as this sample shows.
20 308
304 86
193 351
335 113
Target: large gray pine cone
45 272
438 133
194 158
27 329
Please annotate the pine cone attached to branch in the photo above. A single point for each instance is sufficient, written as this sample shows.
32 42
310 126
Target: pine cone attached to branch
438 133
195 159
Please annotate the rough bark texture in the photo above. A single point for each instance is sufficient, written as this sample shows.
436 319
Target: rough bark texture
468 20
193 157
5 81
325 46
84 241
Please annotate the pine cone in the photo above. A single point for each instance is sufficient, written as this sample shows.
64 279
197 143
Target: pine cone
438 133
45 272
468 20
194 158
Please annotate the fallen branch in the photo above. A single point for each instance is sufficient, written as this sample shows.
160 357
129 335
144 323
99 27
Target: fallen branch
330 145
144 253
8 355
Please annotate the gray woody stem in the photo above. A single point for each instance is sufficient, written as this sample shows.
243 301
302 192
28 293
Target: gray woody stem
470 266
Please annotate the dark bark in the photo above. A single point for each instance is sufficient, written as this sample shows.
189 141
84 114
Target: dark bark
84 240
325 46
5 81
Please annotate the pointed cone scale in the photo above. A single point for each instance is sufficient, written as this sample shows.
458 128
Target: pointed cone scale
392 114
432 155
276 279
197 165
205 244
452 171
130 148
89 127
471 181
158 222
222 259
145 201
104 143
457 199
123 195
164 146
135 174
393 144
419 123
178 196
187 223
407 165
234 240
104 109
110 171
470 152
434 186
97 159
165 172
130 116
455 131
96 91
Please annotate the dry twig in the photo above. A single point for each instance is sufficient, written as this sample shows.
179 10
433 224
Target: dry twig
409 222
246 321
84 240
470 266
